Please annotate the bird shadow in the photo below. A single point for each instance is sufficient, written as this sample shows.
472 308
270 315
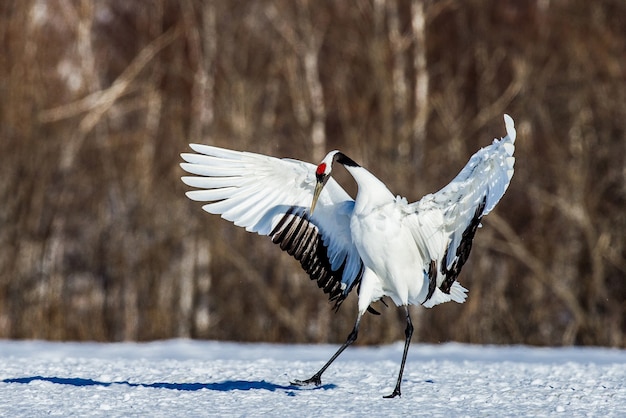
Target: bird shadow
225 386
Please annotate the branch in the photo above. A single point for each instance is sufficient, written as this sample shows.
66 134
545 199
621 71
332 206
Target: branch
99 102
516 248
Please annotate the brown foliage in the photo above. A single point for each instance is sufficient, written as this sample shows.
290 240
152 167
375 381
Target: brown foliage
98 241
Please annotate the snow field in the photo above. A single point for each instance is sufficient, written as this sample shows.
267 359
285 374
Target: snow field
200 378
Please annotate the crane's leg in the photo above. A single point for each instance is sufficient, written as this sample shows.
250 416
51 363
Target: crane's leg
408 332
317 377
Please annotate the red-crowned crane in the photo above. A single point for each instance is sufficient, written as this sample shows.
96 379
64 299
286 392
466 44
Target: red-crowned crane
377 242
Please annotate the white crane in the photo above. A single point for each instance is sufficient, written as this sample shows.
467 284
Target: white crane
378 242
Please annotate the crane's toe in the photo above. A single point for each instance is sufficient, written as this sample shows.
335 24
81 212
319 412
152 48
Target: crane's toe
395 393
315 380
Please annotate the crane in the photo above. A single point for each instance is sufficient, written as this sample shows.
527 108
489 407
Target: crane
377 242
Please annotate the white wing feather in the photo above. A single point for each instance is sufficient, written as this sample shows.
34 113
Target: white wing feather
439 220
256 191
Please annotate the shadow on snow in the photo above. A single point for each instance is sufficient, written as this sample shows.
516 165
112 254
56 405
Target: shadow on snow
225 386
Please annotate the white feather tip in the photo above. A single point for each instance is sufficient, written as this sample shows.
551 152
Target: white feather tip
510 127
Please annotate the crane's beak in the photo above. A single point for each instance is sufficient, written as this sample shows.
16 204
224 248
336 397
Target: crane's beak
316 194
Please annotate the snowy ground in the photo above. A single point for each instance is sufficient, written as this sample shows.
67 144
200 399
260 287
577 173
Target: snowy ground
196 378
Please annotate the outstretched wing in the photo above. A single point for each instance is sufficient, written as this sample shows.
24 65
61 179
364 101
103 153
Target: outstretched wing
444 223
272 196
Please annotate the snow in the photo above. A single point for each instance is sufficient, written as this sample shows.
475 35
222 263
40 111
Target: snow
207 378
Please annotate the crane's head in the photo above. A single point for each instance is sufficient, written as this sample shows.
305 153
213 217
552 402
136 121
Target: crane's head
322 173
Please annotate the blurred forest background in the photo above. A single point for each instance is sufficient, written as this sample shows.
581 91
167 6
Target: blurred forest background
99 98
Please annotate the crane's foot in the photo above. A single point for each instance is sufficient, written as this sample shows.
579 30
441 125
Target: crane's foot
396 392
315 380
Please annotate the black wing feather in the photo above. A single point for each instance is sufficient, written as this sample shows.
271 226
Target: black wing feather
296 234
463 250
